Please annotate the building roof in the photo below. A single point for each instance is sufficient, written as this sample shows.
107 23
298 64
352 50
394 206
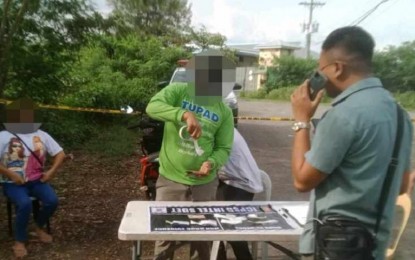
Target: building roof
279 45
253 49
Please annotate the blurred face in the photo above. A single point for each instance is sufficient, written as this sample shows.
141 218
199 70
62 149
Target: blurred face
335 72
211 77
20 116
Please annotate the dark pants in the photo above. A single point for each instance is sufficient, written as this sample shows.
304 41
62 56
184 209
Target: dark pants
240 248
168 190
20 196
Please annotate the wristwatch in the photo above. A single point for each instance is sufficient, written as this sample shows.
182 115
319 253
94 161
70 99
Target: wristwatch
300 125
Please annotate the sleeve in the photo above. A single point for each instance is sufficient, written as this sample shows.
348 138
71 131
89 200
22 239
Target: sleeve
51 145
333 138
163 105
223 143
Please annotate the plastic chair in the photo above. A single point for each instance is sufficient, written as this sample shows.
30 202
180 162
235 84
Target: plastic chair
267 184
404 203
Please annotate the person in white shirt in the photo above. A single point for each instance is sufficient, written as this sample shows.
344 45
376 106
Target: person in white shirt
239 179
23 150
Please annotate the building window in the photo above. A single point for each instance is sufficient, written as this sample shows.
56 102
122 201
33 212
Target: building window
241 58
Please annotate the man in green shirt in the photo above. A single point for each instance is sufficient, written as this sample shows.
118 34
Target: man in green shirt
348 159
198 136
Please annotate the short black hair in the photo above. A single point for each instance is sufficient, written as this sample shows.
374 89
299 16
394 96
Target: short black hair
354 41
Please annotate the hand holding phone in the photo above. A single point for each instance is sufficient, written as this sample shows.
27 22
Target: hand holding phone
317 82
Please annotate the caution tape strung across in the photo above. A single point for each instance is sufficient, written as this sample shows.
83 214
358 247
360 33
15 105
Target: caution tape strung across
111 111
265 118
81 109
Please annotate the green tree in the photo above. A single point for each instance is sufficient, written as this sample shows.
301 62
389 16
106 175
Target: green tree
288 71
118 71
11 18
162 18
38 41
396 67
202 39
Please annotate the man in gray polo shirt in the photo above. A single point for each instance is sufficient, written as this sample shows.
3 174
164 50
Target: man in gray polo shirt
346 163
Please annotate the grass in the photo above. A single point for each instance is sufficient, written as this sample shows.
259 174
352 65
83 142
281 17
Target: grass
406 99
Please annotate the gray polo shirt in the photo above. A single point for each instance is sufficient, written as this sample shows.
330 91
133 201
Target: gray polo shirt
353 145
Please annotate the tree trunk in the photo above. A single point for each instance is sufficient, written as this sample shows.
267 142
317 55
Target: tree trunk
7 32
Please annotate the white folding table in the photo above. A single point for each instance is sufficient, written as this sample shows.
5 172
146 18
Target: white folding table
135 224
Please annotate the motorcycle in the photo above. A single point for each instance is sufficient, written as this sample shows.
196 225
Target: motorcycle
150 143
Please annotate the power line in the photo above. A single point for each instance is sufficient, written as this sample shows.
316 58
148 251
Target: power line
368 13
363 17
384 10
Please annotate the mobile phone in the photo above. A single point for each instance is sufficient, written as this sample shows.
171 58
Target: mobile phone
317 82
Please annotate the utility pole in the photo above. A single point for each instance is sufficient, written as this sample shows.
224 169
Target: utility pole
310 27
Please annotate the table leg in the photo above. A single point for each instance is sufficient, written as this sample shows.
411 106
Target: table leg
264 250
136 254
215 250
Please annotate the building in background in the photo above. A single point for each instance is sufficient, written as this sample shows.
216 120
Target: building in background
253 60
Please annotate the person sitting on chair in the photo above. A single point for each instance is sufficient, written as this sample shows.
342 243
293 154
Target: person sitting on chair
22 150
239 180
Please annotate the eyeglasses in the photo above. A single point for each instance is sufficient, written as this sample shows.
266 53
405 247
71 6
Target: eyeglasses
16 145
325 66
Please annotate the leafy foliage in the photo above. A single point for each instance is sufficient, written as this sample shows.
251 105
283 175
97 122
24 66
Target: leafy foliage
151 17
396 67
38 42
115 72
288 71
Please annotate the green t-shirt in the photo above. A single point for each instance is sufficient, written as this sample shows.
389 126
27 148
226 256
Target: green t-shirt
178 156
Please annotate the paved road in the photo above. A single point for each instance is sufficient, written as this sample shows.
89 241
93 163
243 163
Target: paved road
271 142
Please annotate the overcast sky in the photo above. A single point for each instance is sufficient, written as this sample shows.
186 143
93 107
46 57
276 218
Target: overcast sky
262 21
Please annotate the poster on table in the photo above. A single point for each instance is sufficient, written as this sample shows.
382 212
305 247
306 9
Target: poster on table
214 218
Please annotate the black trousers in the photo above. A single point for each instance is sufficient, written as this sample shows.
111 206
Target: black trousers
240 248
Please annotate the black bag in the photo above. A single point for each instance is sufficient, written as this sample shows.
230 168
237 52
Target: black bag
343 238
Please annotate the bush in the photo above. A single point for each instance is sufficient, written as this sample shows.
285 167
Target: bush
406 99
289 71
68 128
113 142
281 93
259 94
395 66
115 72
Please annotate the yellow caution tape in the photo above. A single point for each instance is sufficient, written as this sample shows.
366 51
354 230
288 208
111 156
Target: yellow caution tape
265 118
82 109
111 111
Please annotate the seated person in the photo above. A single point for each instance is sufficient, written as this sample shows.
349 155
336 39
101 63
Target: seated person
239 179
23 149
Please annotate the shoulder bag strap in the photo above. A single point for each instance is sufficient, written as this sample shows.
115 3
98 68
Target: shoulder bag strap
391 169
